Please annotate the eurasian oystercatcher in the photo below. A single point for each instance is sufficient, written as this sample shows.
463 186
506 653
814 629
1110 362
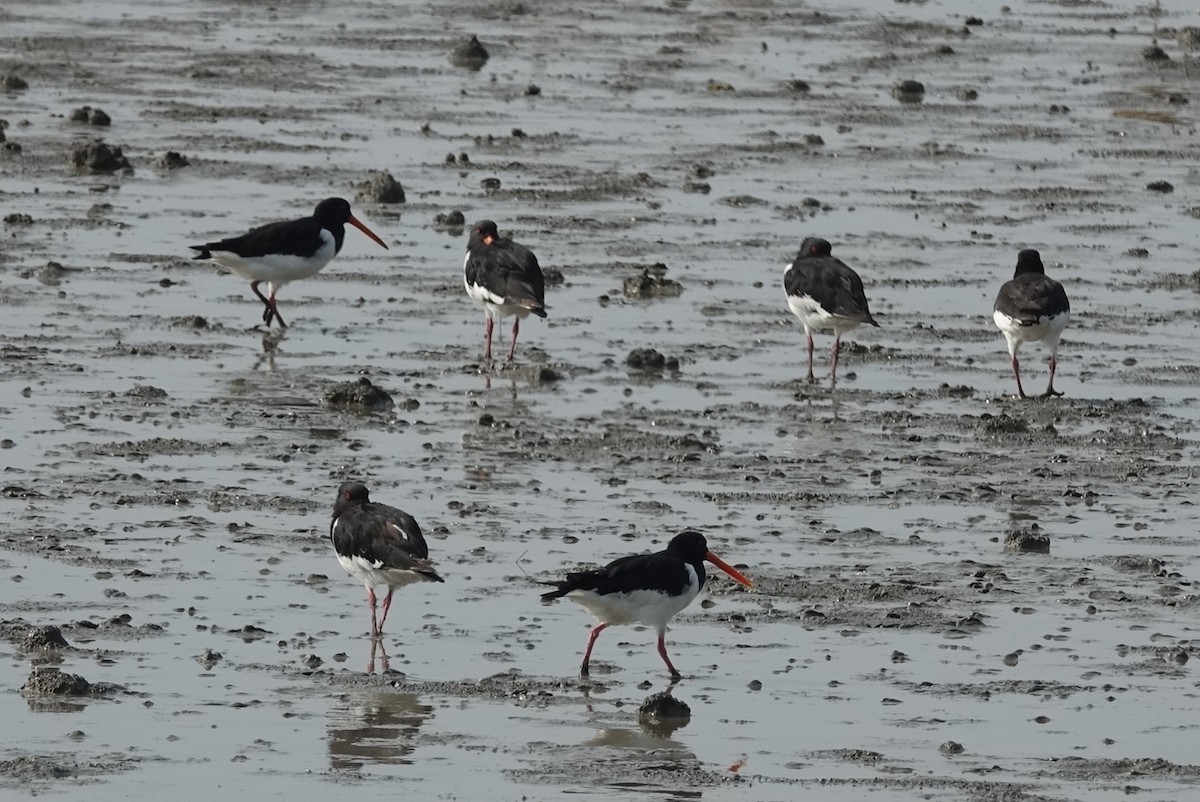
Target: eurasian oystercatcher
1029 308
378 545
286 251
650 588
505 279
826 295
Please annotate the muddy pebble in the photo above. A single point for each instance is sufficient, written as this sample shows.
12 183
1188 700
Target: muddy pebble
172 160
909 91
553 277
797 86
532 90
754 685
470 55
967 94
1155 55
12 147
18 219
146 391
951 748
90 116
14 83
450 222
379 187
358 394
98 157
649 359
490 184
652 283
190 322
1029 540
42 638
663 708
45 681
974 21
208 658
1160 186
720 86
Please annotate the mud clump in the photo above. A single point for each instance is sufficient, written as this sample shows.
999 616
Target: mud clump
652 282
190 322
380 187
91 116
909 91
1027 541
358 395
651 361
1155 55
53 682
661 713
452 223
146 392
98 157
41 639
470 55
1164 187
209 658
951 748
172 160
14 83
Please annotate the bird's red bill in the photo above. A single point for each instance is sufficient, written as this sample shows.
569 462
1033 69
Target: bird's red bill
354 221
729 569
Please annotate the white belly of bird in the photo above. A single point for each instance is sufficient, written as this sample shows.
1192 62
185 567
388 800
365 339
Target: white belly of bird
651 607
493 305
814 317
373 574
1049 329
278 269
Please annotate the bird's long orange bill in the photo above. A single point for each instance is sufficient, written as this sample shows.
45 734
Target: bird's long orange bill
354 221
729 569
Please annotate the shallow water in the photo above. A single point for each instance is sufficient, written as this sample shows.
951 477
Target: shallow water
887 619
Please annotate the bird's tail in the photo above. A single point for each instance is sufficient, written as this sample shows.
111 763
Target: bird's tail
204 252
532 305
429 575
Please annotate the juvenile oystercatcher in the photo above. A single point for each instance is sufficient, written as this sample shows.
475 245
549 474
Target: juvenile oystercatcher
650 588
1032 307
378 545
826 295
505 279
286 251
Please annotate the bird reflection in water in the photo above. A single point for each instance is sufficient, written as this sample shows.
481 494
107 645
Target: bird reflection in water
377 651
374 727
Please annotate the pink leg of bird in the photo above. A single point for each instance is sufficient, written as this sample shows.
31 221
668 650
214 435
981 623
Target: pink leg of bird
488 323
808 337
387 605
837 347
512 348
662 651
275 311
587 654
371 603
1016 366
1050 391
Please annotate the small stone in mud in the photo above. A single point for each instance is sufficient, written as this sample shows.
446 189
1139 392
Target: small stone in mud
39 639
1155 55
1161 186
470 55
951 748
14 83
45 681
18 219
173 160
1143 253
490 184
208 658
380 187
91 116
967 94
12 147
1027 541
909 91
754 685
358 394
697 187
719 86
652 283
797 86
662 707
410 404
703 171
313 661
146 391
190 322
973 21
553 277
649 359
98 157
532 90
450 222
547 375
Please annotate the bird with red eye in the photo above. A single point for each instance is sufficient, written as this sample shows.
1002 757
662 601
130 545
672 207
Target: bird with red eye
646 588
505 279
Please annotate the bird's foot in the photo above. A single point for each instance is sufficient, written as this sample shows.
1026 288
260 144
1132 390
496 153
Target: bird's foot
1050 393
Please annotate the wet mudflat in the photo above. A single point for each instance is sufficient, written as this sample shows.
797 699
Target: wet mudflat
169 471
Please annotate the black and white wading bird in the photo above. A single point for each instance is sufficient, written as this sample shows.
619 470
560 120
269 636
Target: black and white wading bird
647 588
1032 307
504 278
825 295
286 251
379 546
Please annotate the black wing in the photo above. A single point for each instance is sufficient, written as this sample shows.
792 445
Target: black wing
1029 297
379 533
660 571
832 284
509 271
289 238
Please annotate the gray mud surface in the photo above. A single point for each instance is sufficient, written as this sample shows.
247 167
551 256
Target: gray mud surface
172 614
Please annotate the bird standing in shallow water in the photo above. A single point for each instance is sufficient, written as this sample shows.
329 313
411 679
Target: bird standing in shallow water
378 545
826 295
505 279
1032 307
650 588
286 251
